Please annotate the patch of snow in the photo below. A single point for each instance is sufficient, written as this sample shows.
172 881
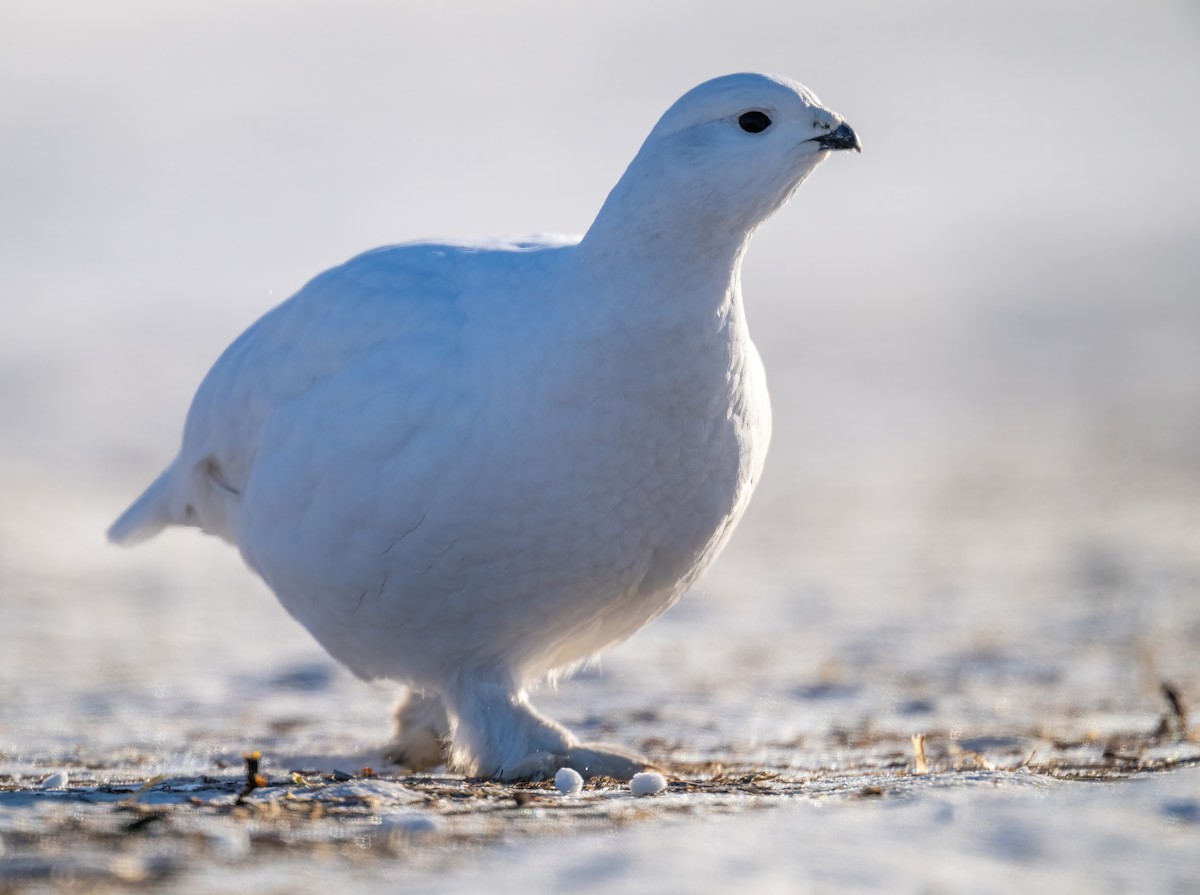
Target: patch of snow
57 780
402 828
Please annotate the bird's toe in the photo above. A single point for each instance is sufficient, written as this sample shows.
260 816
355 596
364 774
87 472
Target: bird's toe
589 759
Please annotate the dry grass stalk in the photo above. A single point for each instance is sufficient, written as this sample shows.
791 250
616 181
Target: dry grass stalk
253 778
921 766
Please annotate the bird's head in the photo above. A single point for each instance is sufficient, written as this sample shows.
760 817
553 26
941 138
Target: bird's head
726 155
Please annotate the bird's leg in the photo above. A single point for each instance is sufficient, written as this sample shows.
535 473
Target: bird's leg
497 733
422 732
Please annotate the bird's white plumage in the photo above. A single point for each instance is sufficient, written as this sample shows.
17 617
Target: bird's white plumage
466 466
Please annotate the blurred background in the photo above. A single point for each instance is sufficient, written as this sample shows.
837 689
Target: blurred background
982 505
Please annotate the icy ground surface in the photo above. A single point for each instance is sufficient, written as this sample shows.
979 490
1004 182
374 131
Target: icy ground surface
782 699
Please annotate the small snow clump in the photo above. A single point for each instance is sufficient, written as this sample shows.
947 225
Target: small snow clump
568 781
647 783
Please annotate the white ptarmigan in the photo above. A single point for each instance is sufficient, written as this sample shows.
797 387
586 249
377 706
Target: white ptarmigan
465 467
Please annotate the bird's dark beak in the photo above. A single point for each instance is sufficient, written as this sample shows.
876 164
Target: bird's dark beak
841 137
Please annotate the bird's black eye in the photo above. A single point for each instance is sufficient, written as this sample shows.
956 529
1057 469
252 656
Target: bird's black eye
754 122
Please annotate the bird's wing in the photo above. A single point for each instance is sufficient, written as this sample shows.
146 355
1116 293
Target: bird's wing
365 347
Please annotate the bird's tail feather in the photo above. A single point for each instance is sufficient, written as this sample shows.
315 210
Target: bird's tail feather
148 515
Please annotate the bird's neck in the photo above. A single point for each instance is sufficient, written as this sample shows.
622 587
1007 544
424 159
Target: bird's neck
663 258
672 291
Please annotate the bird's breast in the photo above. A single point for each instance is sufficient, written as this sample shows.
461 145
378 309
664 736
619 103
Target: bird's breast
667 434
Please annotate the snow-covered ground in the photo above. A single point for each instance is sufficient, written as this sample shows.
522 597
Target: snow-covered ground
980 521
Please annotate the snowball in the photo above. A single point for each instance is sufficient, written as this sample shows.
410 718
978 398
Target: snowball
568 781
647 783
57 780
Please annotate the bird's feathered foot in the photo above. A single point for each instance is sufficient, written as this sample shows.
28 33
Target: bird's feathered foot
498 734
422 732
423 741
